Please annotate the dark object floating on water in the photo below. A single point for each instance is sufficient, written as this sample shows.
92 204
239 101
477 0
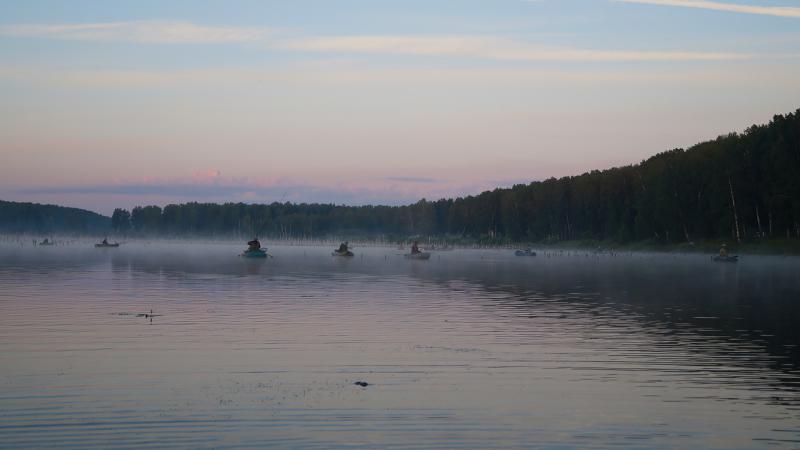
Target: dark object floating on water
149 315
726 258
421 255
255 250
343 250
361 383
106 244
525 253
46 242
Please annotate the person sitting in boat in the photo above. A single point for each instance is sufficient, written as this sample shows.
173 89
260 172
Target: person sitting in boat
415 248
723 251
105 241
253 245
343 247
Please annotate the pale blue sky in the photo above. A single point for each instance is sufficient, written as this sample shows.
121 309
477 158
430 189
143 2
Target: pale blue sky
116 104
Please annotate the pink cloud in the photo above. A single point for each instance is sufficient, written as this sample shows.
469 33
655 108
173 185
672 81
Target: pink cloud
206 176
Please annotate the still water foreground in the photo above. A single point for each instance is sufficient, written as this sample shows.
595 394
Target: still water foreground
471 349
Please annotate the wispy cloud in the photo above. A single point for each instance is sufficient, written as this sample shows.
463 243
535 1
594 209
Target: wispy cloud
779 11
163 32
485 48
411 179
477 47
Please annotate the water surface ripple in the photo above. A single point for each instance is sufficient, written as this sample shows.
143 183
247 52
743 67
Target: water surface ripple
472 349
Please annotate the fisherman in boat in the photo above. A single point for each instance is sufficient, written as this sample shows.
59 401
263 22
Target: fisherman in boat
343 247
105 241
723 251
254 245
415 248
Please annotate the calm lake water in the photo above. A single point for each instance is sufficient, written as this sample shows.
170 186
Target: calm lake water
471 349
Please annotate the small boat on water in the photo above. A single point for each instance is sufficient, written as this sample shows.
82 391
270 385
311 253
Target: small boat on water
106 244
254 253
46 242
254 250
343 251
421 255
527 252
728 259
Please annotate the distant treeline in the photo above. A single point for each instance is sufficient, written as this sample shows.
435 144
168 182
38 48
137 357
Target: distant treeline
737 187
36 218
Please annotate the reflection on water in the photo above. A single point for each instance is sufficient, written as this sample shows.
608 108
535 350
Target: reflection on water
470 349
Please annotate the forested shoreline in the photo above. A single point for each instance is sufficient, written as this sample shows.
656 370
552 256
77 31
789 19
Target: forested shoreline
739 187
23 217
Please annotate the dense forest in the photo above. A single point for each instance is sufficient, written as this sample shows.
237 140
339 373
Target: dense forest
43 219
737 187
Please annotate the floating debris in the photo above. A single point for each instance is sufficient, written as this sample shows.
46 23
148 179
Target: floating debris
148 315
361 383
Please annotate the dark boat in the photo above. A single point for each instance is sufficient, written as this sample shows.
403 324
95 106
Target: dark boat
525 253
346 254
421 255
107 245
728 259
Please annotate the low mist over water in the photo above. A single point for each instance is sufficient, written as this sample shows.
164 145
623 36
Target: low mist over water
166 344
